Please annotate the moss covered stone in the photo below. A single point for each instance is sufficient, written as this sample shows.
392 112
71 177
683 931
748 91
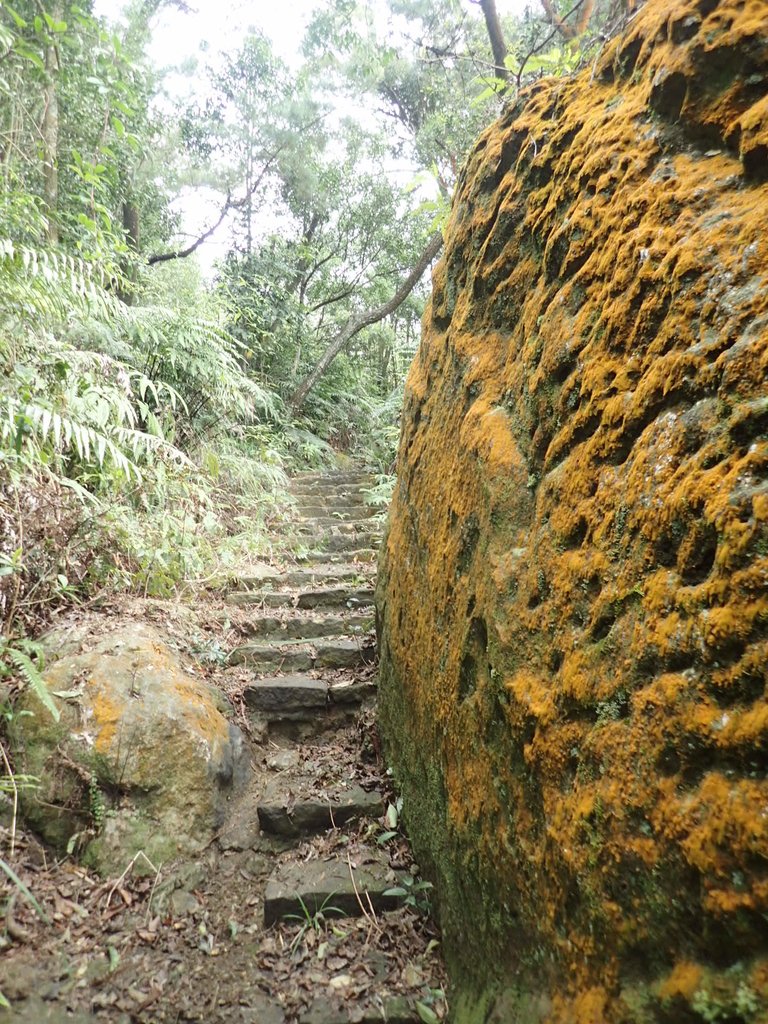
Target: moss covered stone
573 596
141 758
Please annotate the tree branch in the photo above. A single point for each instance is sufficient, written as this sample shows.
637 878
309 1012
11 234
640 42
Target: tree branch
329 302
230 204
356 323
568 30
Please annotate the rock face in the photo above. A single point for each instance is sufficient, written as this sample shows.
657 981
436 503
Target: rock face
141 759
573 595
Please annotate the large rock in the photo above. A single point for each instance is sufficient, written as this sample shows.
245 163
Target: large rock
142 758
573 591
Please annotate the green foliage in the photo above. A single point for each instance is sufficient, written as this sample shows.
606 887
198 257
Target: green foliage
24 657
414 892
310 921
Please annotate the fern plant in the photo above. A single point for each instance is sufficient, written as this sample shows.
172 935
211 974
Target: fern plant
24 658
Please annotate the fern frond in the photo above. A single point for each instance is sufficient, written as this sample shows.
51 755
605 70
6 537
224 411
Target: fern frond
31 675
92 445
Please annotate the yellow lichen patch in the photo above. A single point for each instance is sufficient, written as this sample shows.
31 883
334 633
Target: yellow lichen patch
107 714
684 981
200 710
487 432
532 693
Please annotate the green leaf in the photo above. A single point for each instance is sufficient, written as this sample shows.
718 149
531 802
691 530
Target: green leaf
24 891
29 54
391 816
426 1013
26 668
17 18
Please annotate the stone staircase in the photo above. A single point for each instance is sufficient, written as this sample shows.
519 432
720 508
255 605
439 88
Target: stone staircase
310 649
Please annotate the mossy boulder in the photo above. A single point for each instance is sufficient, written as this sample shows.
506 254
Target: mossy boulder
573 593
141 759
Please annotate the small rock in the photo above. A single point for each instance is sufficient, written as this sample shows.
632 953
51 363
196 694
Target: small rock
183 903
283 760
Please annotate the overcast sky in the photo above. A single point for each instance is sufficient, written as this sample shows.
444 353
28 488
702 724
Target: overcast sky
221 24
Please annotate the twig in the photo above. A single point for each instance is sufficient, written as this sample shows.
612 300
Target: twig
369 915
152 896
122 877
12 926
548 39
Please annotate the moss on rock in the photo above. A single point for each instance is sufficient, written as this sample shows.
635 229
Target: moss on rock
573 594
141 759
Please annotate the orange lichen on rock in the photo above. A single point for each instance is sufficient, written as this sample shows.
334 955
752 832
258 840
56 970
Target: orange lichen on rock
573 594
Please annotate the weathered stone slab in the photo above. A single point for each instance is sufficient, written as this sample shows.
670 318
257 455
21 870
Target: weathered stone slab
285 657
350 476
263 598
332 525
354 555
279 816
330 514
348 542
324 572
320 885
343 654
330 497
352 693
286 693
335 597
395 1010
305 628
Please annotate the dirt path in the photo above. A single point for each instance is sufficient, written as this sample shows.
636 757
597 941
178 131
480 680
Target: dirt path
307 908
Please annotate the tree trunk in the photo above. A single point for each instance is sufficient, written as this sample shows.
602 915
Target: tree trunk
355 324
49 131
496 36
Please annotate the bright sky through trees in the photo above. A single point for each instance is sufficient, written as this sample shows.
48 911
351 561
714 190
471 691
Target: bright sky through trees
188 39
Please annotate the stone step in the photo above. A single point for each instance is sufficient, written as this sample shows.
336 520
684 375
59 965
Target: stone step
329 514
341 494
331 597
304 628
333 527
392 1009
361 477
337 500
317 575
342 542
293 656
364 555
281 815
336 597
318 886
292 696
